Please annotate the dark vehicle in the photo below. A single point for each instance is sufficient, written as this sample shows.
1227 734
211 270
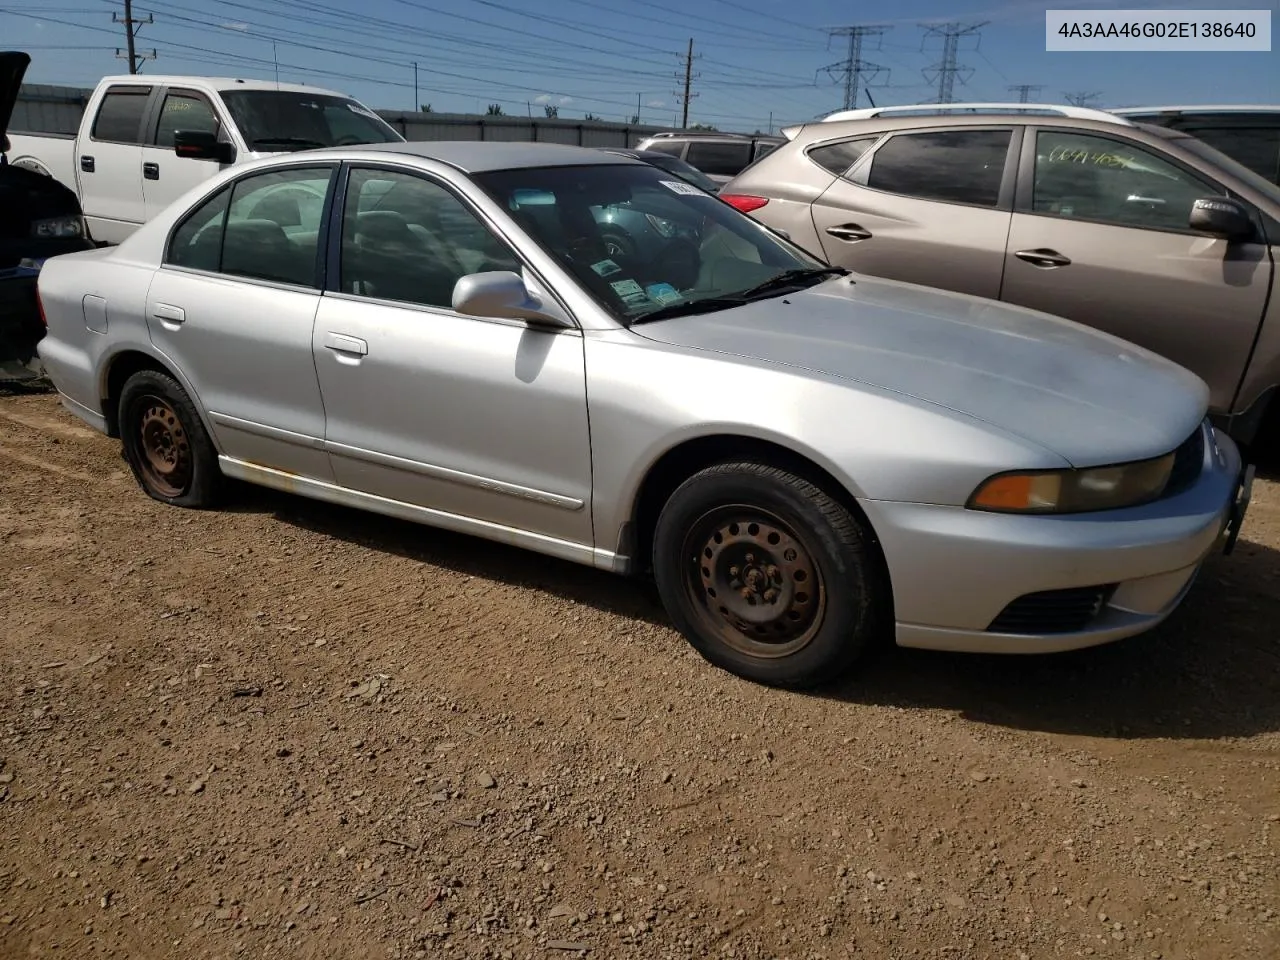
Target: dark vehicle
628 232
1247 134
39 218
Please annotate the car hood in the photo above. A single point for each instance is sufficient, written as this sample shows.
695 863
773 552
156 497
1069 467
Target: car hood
13 67
1089 397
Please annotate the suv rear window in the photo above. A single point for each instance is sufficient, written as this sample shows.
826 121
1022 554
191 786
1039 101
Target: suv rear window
720 159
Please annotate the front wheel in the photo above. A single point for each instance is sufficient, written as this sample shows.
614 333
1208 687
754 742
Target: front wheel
165 443
769 577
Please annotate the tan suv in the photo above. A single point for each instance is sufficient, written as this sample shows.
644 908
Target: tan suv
1142 231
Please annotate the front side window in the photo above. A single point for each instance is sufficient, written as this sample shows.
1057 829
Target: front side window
719 159
410 239
952 166
641 240
186 112
265 226
119 117
280 120
1084 177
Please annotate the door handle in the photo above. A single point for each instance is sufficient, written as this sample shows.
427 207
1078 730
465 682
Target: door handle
345 344
849 232
151 171
167 313
1043 258
86 164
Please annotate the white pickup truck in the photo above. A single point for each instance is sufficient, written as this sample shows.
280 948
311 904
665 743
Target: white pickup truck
144 141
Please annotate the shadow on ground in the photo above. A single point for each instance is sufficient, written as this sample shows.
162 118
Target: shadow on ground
1212 670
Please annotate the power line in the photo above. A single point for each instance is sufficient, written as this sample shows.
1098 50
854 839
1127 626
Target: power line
1081 98
1024 90
947 69
853 68
132 25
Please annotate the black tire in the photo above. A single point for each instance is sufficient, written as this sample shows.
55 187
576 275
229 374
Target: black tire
769 577
165 442
618 243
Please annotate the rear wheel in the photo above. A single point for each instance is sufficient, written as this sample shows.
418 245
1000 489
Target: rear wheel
768 576
165 444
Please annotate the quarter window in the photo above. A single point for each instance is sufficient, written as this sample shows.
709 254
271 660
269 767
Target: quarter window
1082 177
407 238
839 157
266 226
119 118
953 166
182 111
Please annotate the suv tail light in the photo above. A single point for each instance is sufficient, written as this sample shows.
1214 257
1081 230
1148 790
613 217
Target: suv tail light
744 202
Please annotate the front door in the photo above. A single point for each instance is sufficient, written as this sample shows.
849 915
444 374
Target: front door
165 175
233 307
929 207
109 163
478 418
1101 236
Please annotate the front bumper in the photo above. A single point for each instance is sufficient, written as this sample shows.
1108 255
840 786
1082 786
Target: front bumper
957 574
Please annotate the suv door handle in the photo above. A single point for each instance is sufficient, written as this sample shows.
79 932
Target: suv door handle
849 232
151 171
345 344
168 314
86 164
1043 258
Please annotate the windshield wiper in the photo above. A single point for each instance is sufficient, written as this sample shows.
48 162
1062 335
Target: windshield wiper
791 278
286 142
688 308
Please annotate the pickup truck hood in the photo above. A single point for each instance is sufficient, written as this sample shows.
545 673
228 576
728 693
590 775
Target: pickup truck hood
1089 397
13 67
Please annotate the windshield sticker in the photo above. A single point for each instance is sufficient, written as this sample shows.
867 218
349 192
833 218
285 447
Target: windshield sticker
363 111
685 189
606 268
664 293
630 293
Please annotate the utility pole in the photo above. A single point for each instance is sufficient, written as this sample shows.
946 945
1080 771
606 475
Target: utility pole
685 97
131 27
853 68
1081 98
1024 90
945 71
417 104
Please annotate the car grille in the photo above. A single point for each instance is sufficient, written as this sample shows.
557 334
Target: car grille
1053 611
1188 461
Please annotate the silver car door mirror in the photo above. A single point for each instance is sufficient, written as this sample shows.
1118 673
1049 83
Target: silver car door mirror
502 293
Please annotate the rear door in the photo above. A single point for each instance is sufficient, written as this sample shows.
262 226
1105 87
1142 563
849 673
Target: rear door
109 162
1100 236
928 206
165 175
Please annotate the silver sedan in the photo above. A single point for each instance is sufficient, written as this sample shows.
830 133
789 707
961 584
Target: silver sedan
806 461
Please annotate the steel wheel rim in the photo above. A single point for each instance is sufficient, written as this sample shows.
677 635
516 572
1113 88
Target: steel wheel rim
166 459
753 581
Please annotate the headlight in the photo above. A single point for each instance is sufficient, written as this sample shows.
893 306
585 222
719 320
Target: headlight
666 228
1074 491
58 227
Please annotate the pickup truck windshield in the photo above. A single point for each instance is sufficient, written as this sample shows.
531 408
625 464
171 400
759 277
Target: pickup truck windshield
279 120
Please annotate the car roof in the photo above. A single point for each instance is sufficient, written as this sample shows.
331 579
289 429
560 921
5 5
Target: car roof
1199 108
221 84
481 156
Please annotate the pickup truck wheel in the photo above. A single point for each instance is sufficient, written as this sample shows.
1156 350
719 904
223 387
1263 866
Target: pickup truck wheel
165 444
768 576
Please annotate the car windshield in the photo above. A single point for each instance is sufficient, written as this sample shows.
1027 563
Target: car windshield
682 169
280 120
1234 167
646 244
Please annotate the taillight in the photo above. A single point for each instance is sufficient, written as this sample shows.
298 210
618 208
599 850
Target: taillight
744 202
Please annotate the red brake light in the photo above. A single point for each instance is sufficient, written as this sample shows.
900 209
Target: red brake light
744 202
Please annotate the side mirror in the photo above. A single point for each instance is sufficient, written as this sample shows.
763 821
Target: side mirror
1221 217
202 145
502 293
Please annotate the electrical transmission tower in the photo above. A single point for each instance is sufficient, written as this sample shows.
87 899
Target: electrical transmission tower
945 71
689 77
1081 98
853 68
1024 90
131 26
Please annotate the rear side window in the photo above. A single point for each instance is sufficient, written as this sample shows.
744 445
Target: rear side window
720 159
119 118
954 166
839 157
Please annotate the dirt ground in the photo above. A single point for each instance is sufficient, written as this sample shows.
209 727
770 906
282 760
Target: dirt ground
289 730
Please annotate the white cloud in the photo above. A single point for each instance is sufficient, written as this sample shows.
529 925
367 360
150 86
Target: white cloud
564 100
242 27
656 104
542 98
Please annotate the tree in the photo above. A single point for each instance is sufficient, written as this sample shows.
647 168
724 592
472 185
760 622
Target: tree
590 116
635 118
701 126
495 110
426 108
551 111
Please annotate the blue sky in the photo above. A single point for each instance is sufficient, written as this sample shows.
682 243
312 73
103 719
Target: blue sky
758 60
